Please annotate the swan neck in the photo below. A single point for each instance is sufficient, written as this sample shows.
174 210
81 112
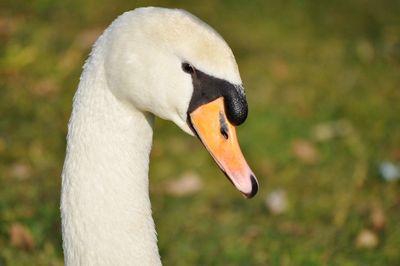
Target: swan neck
105 205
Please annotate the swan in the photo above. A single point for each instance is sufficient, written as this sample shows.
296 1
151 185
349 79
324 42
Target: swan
149 62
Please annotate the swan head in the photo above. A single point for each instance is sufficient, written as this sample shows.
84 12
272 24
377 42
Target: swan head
169 63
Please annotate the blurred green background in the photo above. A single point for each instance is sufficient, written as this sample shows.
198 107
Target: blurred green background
323 85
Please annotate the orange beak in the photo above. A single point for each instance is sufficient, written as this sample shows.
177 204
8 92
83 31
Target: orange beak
219 137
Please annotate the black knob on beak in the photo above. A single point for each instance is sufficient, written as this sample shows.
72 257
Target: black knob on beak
235 105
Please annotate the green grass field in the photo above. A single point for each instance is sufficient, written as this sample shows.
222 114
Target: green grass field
323 86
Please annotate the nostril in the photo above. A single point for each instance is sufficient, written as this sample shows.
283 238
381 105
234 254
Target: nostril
224 133
223 126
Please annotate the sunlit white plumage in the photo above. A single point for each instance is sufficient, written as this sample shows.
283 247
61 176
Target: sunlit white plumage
133 73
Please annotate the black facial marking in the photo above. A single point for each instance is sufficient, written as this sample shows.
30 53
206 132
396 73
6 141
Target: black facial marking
207 88
223 126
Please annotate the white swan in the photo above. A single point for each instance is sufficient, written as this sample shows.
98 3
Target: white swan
150 61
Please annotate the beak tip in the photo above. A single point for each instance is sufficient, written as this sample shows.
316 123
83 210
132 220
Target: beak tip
254 187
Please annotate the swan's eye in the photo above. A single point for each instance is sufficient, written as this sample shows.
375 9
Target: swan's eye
188 68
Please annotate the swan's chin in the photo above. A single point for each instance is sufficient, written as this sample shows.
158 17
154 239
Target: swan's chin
218 135
182 124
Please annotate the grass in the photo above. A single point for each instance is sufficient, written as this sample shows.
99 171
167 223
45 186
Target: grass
303 63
